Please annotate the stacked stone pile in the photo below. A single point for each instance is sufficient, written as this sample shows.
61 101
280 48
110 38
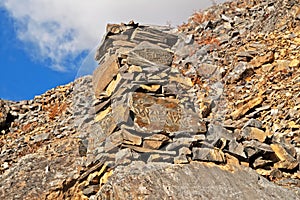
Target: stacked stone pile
143 102
206 111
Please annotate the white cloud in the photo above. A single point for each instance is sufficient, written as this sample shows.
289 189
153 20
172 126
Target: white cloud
58 31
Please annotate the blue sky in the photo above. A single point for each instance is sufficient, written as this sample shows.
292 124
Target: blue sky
23 77
48 43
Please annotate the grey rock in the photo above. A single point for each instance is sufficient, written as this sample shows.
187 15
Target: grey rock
104 74
224 17
216 132
41 137
182 135
185 151
262 163
239 72
147 54
253 123
160 158
176 145
247 54
113 142
154 36
207 154
188 181
181 159
124 156
236 149
206 70
131 139
252 133
105 45
254 147
91 190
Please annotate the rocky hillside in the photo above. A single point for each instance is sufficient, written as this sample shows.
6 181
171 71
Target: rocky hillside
209 110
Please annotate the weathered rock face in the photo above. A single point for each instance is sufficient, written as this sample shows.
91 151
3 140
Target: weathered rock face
208 111
193 181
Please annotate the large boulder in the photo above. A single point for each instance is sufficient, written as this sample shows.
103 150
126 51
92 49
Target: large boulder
193 181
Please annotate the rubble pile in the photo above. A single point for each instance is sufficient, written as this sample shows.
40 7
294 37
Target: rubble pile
255 45
207 110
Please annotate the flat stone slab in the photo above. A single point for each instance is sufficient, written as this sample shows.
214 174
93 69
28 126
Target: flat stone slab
146 52
154 36
153 114
105 73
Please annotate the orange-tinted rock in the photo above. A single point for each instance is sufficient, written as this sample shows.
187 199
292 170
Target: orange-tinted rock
246 107
206 154
104 74
286 160
252 133
131 139
261 60
155 141
294 63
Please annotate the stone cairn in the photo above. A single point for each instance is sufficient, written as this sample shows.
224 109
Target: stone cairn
145 104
